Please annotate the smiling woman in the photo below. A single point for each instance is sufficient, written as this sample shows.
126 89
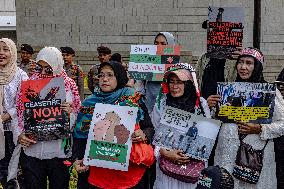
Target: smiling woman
5 54
10 80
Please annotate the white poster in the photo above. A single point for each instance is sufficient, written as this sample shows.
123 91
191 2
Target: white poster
195 135
109 140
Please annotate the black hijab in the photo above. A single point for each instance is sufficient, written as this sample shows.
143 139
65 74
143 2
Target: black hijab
213 73
119 72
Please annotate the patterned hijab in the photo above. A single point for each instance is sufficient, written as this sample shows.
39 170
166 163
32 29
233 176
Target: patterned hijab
53 57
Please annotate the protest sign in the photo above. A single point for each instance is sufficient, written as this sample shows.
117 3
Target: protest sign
246 102
149 62
194 134
109 140
225 31
43 118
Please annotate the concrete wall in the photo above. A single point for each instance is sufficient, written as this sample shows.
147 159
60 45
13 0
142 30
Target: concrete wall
86 24
272 33
7 8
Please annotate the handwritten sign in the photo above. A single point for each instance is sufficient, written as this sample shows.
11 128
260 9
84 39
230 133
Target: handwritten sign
109 140
194 134
152 61
43 117
246 102
225 31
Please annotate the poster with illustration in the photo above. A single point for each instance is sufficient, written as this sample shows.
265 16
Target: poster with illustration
109 140
246 102
225 31
44 120
149 62
194 134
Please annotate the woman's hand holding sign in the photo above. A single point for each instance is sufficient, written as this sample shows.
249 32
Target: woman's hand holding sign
67 107
25 141
249 128
212 100
138 136
80 167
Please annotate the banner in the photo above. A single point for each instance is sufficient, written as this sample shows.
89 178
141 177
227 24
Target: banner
195 135
109 140
225 31
44 119
246 102
149 62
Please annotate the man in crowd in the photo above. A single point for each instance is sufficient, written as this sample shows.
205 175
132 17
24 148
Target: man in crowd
27 63
104 55
73 70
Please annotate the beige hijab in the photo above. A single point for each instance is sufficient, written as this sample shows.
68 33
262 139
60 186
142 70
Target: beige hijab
7 73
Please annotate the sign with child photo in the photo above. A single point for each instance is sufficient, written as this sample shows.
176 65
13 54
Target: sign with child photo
44 119
224 31
194 134
109 140
149 62
246 102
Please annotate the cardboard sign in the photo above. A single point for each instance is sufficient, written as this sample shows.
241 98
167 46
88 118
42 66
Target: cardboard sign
109 140
246 102
43 118
149 62
225 31
195 135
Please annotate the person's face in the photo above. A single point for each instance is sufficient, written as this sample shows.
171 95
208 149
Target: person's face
68 58
245 67
5 54
104 57
25 56
107 79
176 86
280 87
160 40
43 68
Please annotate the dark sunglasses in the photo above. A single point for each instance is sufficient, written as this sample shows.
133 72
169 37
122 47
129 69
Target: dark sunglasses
47 69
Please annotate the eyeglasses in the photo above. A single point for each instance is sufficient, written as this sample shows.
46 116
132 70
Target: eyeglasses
47 69
107 75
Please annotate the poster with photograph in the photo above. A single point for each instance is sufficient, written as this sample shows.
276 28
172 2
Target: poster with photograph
246 102
225 31
44 119
194 134
149 62
109 140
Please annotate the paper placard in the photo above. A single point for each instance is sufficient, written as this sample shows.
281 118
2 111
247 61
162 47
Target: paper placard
246 102
109 140
225 31
43 117
149 62
195 135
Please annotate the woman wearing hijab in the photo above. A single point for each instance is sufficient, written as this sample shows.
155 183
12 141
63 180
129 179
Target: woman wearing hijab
180 91
152 88
10 80
259 136
45 159
112 82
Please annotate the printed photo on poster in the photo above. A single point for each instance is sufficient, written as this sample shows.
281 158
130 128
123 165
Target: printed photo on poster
225 31
246 102
149 62
194 134
44 120
109 140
